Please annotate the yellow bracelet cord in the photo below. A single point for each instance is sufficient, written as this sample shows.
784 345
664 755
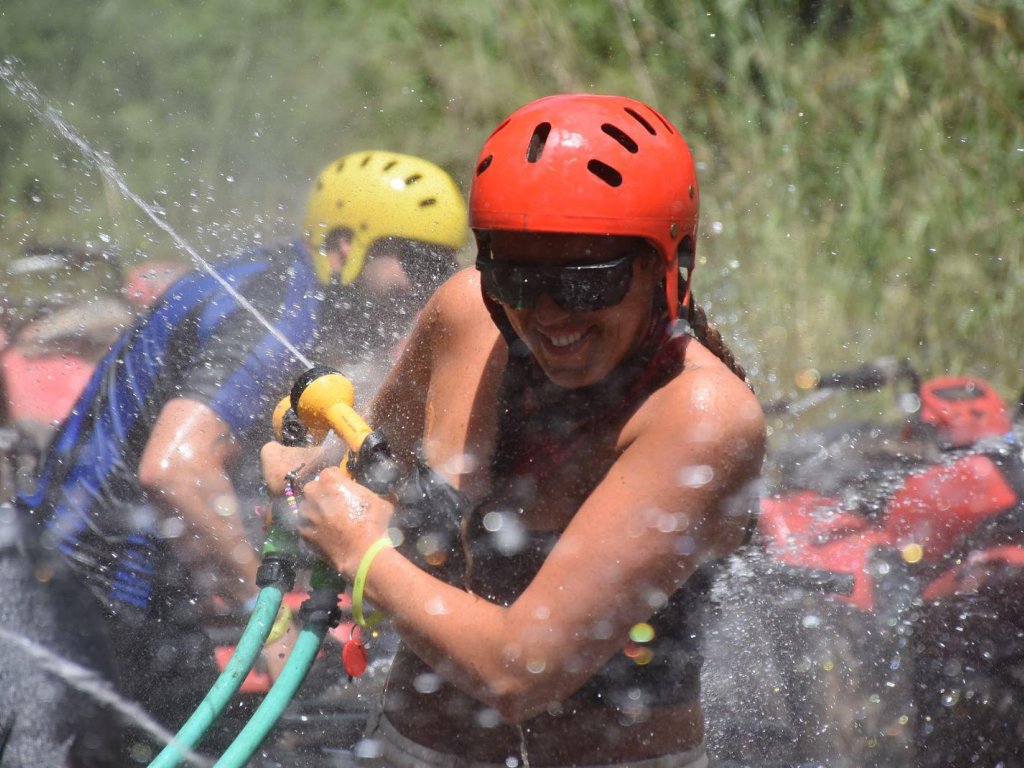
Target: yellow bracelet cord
359 584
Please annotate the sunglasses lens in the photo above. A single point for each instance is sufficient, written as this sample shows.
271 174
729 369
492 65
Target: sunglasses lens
516 287
596 287
585 288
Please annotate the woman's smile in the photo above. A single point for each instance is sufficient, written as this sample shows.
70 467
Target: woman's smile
561 342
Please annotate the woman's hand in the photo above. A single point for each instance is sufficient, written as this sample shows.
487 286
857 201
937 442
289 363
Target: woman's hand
279 460
339 519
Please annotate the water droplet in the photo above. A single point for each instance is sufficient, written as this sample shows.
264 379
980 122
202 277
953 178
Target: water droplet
912 553
488 718
695 476
428 682
435 606
641 632
685 545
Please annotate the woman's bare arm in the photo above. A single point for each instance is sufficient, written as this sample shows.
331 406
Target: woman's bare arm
666 506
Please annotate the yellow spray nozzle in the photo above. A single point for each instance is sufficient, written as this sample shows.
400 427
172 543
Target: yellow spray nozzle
323 400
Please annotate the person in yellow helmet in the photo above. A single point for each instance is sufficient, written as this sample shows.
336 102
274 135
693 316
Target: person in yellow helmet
140 511
383 230
380 198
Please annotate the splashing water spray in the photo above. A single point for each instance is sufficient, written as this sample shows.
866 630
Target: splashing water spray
22 88
320 612
89 682
322 401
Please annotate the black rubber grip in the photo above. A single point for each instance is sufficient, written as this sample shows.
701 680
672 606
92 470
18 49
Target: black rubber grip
866 376
305 380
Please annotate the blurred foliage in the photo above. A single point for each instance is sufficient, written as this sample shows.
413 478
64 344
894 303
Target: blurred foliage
861 162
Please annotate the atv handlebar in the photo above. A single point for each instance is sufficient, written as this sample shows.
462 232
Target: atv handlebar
873 375
870 376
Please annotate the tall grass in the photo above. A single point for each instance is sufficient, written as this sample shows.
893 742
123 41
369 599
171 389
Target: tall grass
862 164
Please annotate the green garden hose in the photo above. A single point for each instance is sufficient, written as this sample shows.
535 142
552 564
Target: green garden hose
319 614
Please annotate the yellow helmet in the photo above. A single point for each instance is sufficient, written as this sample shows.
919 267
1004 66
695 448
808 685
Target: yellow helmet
379 194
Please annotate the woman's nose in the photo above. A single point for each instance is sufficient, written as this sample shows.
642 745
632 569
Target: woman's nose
548 309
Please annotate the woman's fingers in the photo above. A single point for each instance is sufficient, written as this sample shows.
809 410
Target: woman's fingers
282 464
339 518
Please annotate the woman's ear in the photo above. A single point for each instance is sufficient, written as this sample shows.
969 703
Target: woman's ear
650 259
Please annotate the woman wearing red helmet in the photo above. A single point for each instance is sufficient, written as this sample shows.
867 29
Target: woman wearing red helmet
577 455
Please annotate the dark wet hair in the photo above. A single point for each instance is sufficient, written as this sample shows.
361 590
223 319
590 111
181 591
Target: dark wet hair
709 336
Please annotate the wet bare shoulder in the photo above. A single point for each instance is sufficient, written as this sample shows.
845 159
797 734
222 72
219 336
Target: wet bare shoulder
459 320
707 405
458 301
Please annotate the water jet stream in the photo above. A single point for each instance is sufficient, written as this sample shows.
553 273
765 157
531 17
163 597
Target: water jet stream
23 89
88 682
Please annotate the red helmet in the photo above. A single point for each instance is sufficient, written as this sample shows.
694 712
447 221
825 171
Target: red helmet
603 165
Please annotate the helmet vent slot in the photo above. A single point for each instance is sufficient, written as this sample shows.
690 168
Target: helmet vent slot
605 173
428 202
484 164
537 142
413 179
366 160
642 120
390 164
622 137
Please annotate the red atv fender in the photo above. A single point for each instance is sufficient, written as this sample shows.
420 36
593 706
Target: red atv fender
807 530
963 410
971 575
937 508
934 510
42 389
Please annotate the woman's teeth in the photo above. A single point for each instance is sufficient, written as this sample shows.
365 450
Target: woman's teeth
565 341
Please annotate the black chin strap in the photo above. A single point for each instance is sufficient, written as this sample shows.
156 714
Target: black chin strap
500 319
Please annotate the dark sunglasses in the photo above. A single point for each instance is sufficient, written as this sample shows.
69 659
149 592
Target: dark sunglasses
573 286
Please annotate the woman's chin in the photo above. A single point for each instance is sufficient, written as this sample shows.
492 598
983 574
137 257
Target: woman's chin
571 376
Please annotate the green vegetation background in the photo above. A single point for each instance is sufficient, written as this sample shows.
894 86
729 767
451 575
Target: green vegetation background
862 163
